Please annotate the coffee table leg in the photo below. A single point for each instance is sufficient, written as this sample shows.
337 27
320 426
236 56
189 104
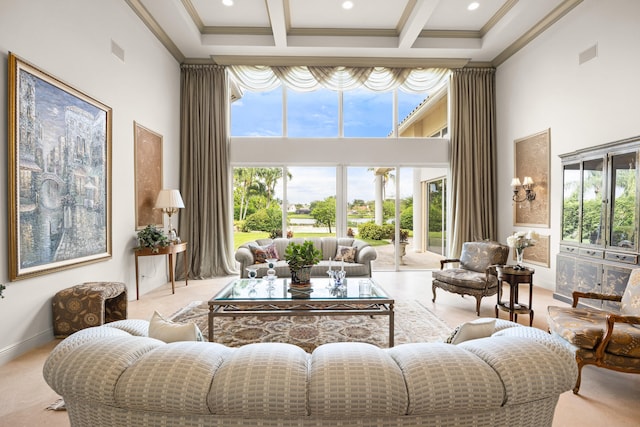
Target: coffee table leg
210 323
391 326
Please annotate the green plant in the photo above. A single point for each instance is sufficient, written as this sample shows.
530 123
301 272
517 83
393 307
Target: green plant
274 234
264 220
151 237
406 218
370 230
303 254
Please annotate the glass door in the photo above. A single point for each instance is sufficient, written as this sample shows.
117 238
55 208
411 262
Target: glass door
571 203
436 217
592 207
622 207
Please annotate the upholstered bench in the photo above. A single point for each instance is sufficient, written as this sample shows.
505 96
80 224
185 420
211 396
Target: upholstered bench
88 304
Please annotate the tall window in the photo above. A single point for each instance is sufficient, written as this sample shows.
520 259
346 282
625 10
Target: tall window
306 195
312 114
311 201
367 113
257 114
257 201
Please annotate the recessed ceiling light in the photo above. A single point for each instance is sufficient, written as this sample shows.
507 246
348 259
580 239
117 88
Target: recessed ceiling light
347 5
473 5
227 2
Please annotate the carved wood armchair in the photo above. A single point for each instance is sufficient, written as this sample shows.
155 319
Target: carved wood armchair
598 337
476 274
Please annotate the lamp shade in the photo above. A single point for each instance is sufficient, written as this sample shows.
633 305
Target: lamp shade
169 199
515 182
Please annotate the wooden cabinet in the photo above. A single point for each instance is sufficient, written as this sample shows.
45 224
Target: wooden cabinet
600 210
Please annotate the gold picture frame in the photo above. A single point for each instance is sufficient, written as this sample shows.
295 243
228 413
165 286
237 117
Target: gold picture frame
59 174
148 175
532 158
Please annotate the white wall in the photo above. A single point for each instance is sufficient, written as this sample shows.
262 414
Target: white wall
543 86
71 40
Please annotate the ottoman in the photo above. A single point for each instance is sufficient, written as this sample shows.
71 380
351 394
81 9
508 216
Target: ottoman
88 304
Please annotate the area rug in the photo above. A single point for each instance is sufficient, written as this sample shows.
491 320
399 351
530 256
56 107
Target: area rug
413 323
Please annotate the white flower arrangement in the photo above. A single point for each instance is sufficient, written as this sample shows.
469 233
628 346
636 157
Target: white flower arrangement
522 239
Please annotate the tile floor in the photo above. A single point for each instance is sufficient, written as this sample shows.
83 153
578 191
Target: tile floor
606 397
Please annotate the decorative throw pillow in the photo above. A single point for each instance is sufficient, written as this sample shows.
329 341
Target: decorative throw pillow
346 253
262 253
168 331
480 328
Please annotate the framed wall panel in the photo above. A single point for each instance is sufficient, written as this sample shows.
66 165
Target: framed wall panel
532 158
148 176
537 254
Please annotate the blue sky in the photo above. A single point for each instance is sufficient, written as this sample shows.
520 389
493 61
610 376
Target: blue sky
315 114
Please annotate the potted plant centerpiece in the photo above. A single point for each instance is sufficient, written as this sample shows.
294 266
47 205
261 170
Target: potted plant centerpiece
301 257
151 237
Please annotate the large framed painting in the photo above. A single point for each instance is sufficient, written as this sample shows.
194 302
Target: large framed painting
532 158
148 175
59 167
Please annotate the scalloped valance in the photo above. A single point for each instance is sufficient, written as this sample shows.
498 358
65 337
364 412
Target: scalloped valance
309 78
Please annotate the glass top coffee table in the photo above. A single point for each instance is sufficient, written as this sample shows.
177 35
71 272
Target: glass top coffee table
359 296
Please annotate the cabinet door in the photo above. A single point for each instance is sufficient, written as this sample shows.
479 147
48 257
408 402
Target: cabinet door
614 282
571 202
622 207
588 278
565 274
593 209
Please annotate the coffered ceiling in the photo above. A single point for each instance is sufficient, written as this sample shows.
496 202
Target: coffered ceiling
372 32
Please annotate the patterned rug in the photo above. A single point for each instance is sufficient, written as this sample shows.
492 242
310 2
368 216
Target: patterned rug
413 323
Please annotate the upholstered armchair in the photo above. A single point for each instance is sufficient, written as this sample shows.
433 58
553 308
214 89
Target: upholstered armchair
476 274
598 337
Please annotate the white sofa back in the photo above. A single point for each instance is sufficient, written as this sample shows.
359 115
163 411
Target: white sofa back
328 246
109 376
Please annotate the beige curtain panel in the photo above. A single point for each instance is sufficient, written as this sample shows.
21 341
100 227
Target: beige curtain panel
473 157
204 172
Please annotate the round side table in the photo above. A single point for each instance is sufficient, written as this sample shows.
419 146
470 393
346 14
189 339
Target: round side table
514 276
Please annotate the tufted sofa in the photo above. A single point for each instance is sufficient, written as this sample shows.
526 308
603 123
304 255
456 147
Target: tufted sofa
113 375
328 246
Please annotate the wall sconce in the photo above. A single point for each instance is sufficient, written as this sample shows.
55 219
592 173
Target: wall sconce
527 186
170 201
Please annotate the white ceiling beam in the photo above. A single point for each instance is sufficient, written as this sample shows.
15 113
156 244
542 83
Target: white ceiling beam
415 22
278 22
219 40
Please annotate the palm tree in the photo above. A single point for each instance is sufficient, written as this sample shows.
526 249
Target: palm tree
244 180
270 177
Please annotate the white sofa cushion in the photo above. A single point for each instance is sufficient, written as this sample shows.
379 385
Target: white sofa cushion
261 381
168 331
479 328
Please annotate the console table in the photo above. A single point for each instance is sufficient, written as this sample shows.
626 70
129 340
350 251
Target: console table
171 252
514 276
